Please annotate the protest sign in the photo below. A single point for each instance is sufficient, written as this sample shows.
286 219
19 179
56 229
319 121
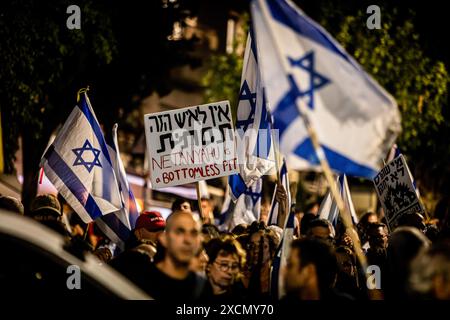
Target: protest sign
395 188
190 144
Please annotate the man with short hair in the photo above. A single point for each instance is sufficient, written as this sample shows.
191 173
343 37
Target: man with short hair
321 229
181 204
170 279
311 271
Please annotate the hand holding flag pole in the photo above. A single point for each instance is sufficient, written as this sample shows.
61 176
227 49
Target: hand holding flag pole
199 199
284 210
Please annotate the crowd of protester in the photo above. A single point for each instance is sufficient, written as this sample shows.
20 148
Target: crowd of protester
186 258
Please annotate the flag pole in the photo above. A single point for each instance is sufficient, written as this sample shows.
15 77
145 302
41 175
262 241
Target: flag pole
276 149
199 199
82 90
286 210
146 194
343 212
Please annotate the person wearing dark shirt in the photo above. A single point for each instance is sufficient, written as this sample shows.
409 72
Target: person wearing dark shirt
226 261
311 272
141 247
170 278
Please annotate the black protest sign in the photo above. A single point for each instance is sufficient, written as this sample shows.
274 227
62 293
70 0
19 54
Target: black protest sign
394 185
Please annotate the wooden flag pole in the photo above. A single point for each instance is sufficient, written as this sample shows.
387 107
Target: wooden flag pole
343 212
276 149
199 199
147 192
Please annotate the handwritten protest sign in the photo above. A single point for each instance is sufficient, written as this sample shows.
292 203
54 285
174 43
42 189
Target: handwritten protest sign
395 188
190 144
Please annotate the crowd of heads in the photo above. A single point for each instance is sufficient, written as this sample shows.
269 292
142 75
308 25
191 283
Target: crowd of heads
413 259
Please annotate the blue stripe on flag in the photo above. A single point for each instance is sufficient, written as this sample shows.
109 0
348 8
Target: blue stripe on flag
237 185
283 170
287 111
105 185
82 105
286 15
117 226
341 183
275 272
226 214
397 152
291 220
75 186
264 139
133 211
337 161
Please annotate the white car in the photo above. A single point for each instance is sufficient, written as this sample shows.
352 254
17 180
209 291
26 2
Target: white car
34 262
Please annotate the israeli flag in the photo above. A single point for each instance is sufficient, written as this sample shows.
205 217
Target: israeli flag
274 218
118 225
244 210
254 137
329 210
80 167
306 72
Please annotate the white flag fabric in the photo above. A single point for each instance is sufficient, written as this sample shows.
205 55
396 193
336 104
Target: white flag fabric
203 188
329 210
244 210
356 120
254 137
117 226
253 119
78 164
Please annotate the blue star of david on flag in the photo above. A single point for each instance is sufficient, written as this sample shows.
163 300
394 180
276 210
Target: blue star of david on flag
255 196
316 80
89 165
247 94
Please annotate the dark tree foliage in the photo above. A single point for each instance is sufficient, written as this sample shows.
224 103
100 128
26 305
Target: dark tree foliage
122 53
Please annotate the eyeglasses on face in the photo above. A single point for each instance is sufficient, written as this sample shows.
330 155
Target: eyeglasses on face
223 266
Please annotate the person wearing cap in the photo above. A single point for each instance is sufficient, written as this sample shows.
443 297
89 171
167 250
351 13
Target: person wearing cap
11 204
141 247
46 209
149 225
